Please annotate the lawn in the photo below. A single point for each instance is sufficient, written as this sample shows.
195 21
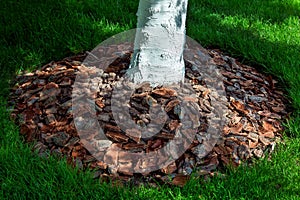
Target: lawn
264 34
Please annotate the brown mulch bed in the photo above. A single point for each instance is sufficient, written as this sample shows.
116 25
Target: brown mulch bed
255 108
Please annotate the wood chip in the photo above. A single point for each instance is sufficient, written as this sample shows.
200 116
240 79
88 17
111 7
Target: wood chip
268 127
240 107
117 137
165 92
237 129
264 140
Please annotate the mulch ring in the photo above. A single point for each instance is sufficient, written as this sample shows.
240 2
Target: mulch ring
255 108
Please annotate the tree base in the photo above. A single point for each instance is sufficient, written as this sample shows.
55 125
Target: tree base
42 107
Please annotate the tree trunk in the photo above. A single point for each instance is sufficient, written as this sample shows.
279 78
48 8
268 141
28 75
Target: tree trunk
159 42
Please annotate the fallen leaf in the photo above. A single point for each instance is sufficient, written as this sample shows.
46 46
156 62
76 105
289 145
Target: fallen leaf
220 150
109 127
246 83
74 154
164 135
253 136
225 160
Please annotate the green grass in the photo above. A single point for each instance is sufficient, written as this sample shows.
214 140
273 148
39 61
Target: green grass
264 34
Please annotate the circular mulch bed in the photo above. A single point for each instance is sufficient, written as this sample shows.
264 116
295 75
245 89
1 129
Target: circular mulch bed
255 108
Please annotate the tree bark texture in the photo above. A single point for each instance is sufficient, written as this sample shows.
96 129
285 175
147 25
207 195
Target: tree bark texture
159 42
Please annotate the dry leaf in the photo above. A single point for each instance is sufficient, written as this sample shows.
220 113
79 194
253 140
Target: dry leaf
253 136
109 127
235 120
220 150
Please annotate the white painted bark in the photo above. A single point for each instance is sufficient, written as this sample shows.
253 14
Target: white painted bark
159 42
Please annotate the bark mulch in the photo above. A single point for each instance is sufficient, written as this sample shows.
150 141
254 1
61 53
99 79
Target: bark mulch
41 104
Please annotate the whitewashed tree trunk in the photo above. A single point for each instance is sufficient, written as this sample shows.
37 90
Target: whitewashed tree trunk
159 42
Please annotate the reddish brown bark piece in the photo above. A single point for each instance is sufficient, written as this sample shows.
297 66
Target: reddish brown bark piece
117 137
109 127
237 128
134 134
165 92
100 103
239 107
268 127
133 146
171 105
